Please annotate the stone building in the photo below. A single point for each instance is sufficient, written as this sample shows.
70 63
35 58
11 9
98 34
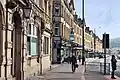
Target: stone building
98 45
63 19
77 35
25 38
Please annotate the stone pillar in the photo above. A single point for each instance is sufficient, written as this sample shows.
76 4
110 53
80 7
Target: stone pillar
1 44
18 45
18 50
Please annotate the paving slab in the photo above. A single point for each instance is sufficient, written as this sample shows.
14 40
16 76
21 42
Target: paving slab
64 73
92 75
108 77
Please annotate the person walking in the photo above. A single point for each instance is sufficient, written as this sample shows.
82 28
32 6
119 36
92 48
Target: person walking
113 64
83 60
74 62
79 58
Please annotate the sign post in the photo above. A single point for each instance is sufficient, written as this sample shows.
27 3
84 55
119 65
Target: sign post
105 54
105 45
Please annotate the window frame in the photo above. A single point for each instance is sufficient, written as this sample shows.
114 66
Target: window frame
57 13
46 45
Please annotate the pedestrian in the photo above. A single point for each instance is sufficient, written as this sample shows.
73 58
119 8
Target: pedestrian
83 60
79 58
74 62
113 64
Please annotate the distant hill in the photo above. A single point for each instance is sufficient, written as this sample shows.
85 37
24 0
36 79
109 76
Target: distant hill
115 43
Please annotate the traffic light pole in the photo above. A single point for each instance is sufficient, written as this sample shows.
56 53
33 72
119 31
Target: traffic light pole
105 54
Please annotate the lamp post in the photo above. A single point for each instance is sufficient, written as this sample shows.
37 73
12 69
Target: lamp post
104 38
72 39
83 24
95 40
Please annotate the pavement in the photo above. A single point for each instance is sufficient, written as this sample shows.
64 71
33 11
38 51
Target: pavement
63 72
108 77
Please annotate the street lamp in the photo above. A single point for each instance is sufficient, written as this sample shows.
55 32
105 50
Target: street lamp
27 12
95 40
83 24
72 38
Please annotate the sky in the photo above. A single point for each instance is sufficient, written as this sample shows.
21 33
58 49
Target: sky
101 15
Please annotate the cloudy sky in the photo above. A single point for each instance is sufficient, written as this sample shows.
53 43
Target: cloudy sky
102 15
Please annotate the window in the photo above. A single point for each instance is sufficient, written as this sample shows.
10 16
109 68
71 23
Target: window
80 32
77 39
34 46
56 29
80 40
41 3
46 45
57 11
32 40
46 6
75 29
62 11
49 10
28 45
35 31
29 29
32 30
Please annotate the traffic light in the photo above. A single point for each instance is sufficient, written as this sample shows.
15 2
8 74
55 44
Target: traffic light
106 37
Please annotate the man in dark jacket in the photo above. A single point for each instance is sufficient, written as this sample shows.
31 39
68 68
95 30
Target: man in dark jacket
74 62
83 60
113 64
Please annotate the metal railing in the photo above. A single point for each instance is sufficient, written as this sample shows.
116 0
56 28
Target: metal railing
107 68
97 67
